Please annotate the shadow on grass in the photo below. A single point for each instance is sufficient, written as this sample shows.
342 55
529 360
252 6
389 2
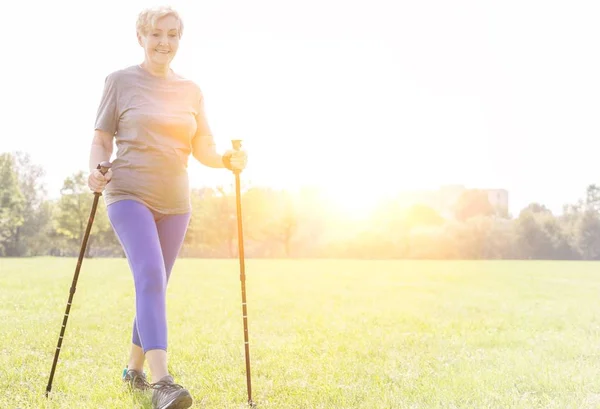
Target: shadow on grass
141 400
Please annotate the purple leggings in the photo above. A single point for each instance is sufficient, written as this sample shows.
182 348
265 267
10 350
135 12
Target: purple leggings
151 242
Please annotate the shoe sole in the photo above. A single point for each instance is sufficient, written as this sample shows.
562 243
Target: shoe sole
181 402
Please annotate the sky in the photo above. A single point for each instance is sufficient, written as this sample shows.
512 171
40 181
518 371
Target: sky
358 97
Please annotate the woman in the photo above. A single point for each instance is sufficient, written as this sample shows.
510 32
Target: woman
157 119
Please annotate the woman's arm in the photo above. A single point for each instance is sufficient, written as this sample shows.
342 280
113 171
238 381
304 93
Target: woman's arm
101 150
204 148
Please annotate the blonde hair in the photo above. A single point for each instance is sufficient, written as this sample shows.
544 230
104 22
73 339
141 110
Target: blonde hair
147 19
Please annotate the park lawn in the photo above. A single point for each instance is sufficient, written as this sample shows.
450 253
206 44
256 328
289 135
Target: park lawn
324 334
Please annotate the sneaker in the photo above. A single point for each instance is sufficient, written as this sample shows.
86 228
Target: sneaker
167 394
135 379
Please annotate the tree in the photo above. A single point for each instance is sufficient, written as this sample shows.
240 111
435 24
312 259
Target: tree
283 221
213 226
197 239
29 238
310 226
422 215
592 198
559 235
472 237
12 204
272 220
287 224
541 236
588 235
536 208
72 214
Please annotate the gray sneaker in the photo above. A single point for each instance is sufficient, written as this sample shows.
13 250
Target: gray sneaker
135 379
167 394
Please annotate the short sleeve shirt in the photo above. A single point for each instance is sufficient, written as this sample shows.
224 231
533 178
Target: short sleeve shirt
154 121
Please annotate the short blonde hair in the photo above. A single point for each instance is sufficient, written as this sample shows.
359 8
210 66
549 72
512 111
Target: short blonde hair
147 19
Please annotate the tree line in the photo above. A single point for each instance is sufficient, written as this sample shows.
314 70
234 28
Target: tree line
279 224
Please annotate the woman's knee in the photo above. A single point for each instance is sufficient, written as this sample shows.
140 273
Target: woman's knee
151 279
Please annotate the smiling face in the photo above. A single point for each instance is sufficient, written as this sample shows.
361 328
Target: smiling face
161 42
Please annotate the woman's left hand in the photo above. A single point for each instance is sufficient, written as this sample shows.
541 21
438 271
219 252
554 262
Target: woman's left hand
238 159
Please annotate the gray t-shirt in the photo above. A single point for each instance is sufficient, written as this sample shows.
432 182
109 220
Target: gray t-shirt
154 121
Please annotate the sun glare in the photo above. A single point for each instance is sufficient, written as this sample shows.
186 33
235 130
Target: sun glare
353 203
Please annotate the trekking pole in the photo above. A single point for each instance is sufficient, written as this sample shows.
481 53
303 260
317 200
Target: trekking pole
104 166
237 145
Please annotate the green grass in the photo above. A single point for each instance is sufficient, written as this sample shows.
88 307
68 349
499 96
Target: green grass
323 334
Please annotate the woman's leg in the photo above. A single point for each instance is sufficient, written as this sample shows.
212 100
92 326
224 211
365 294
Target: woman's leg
171 232
136 229
151 248
136 357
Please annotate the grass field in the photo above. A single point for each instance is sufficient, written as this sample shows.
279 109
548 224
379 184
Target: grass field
323 334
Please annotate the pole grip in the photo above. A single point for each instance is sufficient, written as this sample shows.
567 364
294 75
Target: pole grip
104 167
236 144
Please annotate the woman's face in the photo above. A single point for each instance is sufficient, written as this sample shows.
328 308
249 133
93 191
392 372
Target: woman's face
161 43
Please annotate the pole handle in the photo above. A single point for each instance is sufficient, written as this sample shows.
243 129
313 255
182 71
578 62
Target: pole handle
104 166
236 144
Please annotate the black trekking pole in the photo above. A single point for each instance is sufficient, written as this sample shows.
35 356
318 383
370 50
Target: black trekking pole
104 166
237 144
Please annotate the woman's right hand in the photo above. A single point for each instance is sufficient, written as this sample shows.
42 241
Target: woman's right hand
97 181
